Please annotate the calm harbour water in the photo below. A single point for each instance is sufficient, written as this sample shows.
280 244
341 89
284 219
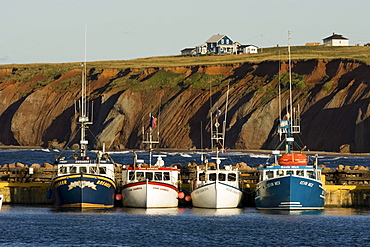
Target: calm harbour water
44 226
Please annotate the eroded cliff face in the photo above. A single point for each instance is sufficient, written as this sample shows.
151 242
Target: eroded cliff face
333 99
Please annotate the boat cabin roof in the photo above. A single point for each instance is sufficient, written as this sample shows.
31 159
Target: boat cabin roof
131 168
277 167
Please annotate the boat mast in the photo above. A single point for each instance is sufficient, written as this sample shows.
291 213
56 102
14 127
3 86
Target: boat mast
83 119
149 140
216 136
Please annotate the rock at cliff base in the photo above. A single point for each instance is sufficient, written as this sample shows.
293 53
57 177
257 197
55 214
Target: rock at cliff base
47 165
345 148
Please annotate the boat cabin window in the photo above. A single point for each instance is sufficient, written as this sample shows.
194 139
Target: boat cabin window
202 176
222 177
310 174
269 174
158 176
166 176
289 172
140 175
231 177
83 169
102 170
300 173
280 173
212 177
93 170
149 175
63 170
131 175
73 169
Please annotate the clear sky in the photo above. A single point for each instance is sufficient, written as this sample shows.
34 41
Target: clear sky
53 31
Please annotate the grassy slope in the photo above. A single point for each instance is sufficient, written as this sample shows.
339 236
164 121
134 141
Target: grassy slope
359 53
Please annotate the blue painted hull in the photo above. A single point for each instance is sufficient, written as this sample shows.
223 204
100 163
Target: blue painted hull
290 193
83 191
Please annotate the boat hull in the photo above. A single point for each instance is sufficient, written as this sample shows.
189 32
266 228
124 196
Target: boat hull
216 195
149 194
290 193
83 191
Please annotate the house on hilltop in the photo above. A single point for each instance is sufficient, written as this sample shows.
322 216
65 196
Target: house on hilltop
247 49
188 52
222 44
336 40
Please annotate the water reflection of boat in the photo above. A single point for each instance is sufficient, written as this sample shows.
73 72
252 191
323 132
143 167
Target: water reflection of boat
1 201
292 212
151 211
217 212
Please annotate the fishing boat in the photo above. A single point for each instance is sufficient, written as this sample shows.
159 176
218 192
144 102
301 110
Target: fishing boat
292 180
84 181
213 186
150 185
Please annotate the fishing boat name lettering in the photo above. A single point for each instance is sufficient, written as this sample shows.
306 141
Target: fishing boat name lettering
201 190
273 184
60 183
108 185
82 184
306 183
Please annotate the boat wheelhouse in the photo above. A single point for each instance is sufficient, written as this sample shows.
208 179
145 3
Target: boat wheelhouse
150 187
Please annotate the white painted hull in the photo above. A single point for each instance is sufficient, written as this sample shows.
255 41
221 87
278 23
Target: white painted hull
149 194
216 195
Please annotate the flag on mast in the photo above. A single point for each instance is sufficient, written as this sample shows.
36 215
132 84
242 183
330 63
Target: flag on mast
153 122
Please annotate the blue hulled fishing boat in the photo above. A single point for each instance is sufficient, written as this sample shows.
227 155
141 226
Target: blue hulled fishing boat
83 181
290 181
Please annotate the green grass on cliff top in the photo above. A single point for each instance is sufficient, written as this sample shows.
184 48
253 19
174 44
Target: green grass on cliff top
356 53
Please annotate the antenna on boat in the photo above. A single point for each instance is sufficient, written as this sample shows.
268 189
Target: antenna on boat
216 136
149 136
83 118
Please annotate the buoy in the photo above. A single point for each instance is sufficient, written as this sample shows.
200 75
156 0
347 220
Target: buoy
188 198
119 197
48 194
181 195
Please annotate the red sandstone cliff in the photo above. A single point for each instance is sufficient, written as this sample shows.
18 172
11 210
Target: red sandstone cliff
333 97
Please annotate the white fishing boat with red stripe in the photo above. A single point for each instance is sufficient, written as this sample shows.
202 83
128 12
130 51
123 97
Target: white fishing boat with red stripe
147 185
